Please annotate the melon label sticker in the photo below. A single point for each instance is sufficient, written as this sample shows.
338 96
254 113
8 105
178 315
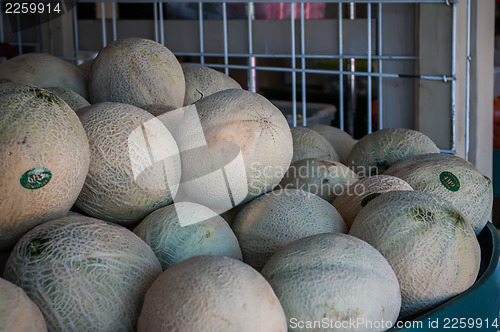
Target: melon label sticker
449 181
368 198
35 178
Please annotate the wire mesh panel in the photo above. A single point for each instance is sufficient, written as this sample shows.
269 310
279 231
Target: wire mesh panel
366 58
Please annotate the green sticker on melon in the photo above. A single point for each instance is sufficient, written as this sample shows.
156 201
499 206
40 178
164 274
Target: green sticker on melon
449 181
35 178
368 198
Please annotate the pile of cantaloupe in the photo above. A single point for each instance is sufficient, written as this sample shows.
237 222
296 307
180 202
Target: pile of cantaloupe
148 195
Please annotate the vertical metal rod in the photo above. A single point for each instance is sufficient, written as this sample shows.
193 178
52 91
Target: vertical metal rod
341 69
75 31
352 80
162 28
155 15
303 63
200 26
2 35
226 52
453 74
369 65
113 16
380 98
294 72
19 35
252 60
103 23
467 85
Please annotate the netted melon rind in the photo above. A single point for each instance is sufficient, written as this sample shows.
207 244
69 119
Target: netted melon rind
309 144
341 141
73 99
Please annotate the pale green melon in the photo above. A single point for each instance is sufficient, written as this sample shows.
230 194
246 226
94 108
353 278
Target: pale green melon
136 71
356 196
275 219
73 99
182 230
211 293
431 247
202 81
453 179
376 152
341 141
321 177
44 159
44 70
17 311
84 274
336 279
134 163
309 144
235 146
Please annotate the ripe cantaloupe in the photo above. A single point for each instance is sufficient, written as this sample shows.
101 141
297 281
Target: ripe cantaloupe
17 311
355 197
134 163
235 146
84 274
182 230
202 81
335 279
85 67
453 179
211 293
136 71
44 158
341 141
279 217
376 152
431 247
158 109
321 177
44 70
309 144
73 99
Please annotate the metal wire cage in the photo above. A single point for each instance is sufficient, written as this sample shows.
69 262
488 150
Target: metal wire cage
382 63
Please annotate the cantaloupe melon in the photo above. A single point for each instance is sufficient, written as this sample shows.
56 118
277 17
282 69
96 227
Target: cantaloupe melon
235 145
376 152
202 81
134 163
355 197
44 70
211 293
182 230
84 274
453 179
431 247
85 67
158 109
321 177
17 311
44 158
341 141
73 99
309 144
136 71
275 219
336 280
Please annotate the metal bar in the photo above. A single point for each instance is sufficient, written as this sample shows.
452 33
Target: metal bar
352 80
307 56
19 35
224 27
75 32
113 19
155 18
252 60
341 69
2 35
369 88
293 64
303 64
202 41
467 85
103 22
453 73
162 29
305 1
380 114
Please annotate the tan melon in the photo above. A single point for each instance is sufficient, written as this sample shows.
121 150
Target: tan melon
275 219
17 311
341 141
337 280
84 274
73 99
453 179
136 71
235 146
321 177
356 196
44 158
431 247
202 81
211 293
85 67
376 152
158 109
44 70
134 163
182 230
309 144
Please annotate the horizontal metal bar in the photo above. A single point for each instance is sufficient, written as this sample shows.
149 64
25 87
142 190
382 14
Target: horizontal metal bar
305 56
289 1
